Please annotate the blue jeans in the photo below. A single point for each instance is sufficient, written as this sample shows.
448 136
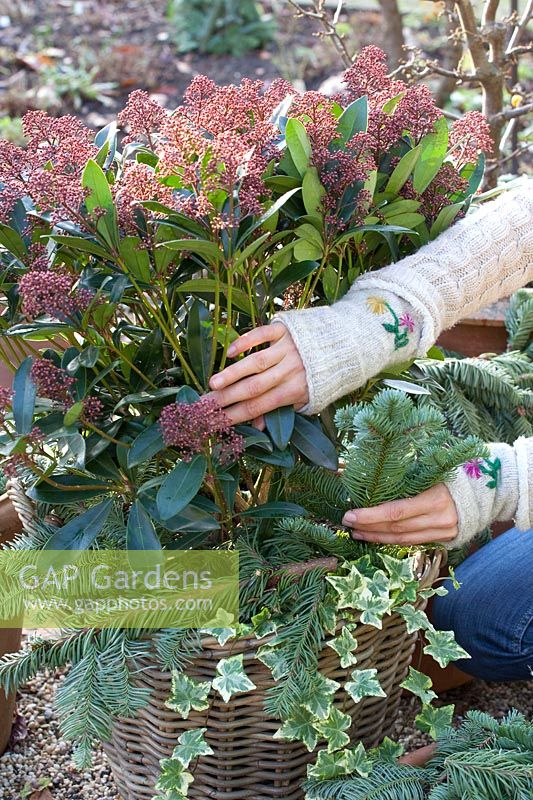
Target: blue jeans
492 613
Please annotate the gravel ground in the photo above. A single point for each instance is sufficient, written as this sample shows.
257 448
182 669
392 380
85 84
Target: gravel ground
43 759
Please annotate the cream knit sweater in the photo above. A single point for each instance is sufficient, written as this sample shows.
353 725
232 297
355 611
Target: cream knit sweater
397 313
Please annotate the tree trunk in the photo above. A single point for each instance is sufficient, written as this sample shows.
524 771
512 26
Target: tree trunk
394 38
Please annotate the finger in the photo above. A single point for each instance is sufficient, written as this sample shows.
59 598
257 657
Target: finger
396 510
421 537
257 362
255 337
254 386
424 522
288 394
259 423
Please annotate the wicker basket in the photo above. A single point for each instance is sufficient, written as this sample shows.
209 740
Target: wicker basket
248 764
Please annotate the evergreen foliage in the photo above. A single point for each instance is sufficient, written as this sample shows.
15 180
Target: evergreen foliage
483 759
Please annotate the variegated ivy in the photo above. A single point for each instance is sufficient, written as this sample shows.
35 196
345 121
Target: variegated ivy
358 593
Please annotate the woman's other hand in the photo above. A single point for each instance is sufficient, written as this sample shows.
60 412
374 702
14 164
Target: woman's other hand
260 382
428 517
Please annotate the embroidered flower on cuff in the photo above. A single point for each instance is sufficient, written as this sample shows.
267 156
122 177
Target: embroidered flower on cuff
401 326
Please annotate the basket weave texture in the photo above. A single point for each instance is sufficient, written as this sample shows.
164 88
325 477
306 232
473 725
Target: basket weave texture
248 764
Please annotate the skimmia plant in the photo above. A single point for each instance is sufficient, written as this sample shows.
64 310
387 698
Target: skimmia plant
137 266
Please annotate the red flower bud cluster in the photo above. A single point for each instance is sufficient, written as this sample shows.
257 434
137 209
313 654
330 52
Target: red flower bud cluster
93 408
198 427
48 170
52 382
143 117
138 182
470 136
47 292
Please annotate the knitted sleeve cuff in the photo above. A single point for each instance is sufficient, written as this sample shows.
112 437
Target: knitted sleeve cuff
343 345
497 488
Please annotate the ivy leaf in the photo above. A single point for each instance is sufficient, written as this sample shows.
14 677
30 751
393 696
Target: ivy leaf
415 619
443 647
276 660
327 766
263 625
232 678
333 729
299 727
187 694
364 683
192 745
420 685
400 570
225 631
433 591
174 779
344 645
388 751
373 608
379 585
357 761
435 721
348 587
320 697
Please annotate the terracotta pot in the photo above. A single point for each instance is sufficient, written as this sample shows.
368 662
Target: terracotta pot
10 638
482 332
418 758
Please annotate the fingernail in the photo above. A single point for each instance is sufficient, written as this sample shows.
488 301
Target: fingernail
349 518
231 351
215 382
357 535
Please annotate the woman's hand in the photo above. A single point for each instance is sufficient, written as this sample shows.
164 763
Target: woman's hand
429 517
263 381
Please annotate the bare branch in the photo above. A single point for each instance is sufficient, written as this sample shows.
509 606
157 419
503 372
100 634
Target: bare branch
489 11
329 31
520 27
516 51
513 113
474 39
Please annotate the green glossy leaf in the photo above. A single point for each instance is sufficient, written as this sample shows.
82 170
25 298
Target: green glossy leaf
280 425
208 250
180 486
147 444
314 444
354 119
13 242
231 678
405 386
474 176
435 353
80 532
273 209
445 218
312 191
298 144
140 531
275 510
79 243
86 358
148 396
207 286
24 396
136 258
64 493
199 341
99 197
433 148
291 274
148 359
403 170
73 414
